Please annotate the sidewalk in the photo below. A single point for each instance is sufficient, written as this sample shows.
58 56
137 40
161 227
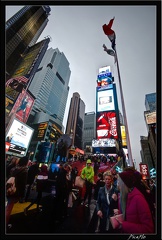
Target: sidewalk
43 222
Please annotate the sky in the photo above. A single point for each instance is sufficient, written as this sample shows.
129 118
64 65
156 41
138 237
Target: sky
77 32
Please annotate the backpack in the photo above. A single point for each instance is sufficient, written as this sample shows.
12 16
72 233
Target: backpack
10 186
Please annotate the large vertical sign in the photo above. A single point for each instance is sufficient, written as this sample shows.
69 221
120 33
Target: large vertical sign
23 106
106 125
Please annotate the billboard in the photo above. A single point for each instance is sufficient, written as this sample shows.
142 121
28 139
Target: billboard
18 138
123 136
104 79
105 100
105 69
106 125
23 106
42 127
144 170
150 117
105 142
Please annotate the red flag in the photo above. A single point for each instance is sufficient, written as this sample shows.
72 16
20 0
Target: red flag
110 33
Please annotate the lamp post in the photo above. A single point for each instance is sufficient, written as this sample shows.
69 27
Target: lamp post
114 53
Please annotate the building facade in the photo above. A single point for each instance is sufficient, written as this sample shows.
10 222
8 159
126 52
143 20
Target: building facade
89 131
22 31
75 121
50 86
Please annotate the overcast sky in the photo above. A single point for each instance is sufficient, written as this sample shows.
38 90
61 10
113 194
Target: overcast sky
77 32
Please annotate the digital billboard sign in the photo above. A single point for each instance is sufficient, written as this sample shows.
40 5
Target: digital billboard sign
23 106
18 138
105 142
106 125
105 100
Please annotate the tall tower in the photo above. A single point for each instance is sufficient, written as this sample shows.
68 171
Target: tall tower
22 31
75 122
50 85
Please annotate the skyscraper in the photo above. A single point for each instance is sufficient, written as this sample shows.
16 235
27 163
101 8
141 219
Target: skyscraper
50 85
89 130
22 31
75 122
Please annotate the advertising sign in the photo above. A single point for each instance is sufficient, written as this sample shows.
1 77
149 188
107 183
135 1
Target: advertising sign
104 142
150 118
18 138
144 170
41 131
123 136
105 69
106 125
105 100
23 106
104 79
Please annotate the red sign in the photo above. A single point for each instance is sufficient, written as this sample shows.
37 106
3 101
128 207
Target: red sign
106 125
144 170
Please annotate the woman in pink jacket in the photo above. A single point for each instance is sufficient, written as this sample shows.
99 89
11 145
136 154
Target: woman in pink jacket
133 206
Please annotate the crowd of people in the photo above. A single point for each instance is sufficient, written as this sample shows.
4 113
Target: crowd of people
114 193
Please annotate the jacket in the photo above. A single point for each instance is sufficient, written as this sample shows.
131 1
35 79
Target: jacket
138 215
87 173
102 205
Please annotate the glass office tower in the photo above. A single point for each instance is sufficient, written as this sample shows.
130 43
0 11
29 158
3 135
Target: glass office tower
22 31
50 84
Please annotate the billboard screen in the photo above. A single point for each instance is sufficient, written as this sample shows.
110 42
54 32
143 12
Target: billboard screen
106 125
150 118
105 142
105 69
123 136
18 138
105 100
104 79
23 106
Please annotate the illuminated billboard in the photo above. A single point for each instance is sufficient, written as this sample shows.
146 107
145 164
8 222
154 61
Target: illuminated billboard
105 69
123 136
18 138
106 125
42 127
23 106
150 117
104 79
105 142
105 100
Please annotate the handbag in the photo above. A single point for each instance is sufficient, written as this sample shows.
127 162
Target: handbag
79 182
116 220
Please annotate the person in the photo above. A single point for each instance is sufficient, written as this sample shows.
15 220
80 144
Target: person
41 186
20 173
11 165
99 183
133 205
62 192
32 173
107 201
87 173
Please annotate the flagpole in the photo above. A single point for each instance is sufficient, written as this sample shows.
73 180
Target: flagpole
111 35
130 160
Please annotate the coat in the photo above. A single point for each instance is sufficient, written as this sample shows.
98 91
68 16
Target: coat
102 205
138 215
